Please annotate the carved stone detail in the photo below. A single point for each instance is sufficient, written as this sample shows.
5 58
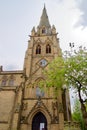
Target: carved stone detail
55 112
38 104
24 106
23 119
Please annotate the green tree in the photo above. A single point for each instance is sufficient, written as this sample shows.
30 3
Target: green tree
55 74
71 70
76 75
77 114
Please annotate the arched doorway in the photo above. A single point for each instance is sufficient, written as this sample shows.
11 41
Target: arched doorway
39 122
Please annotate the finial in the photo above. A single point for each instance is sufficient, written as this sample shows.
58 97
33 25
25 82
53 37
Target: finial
44 5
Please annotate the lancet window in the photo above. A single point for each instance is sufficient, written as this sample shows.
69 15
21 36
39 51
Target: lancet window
38 49
48 48
43 31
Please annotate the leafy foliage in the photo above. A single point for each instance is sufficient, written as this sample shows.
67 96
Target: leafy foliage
76 72
76 75
77 114
71 70
55 73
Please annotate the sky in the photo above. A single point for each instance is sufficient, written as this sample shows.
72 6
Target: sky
17 18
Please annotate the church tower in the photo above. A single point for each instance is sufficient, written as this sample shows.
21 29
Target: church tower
41 110
43 47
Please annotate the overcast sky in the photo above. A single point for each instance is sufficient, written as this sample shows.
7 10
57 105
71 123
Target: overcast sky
17 18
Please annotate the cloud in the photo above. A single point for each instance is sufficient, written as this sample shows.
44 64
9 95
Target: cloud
65 16
82 5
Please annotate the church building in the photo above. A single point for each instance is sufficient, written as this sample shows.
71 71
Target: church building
23 106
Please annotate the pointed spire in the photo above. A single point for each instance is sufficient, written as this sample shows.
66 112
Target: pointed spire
44 5
44 21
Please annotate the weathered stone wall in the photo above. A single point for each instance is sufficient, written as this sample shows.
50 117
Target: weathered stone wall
6 106
8 89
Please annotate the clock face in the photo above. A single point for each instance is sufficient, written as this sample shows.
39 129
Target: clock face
43 62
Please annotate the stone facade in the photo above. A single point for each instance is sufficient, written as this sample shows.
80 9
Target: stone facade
22 104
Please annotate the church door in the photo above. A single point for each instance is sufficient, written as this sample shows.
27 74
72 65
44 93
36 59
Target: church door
39 122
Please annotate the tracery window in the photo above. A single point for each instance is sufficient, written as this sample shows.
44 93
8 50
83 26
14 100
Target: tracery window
48 48
38 49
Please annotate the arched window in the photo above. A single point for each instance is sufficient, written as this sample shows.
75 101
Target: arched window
38 49
4 80
43 30
48 48
11 81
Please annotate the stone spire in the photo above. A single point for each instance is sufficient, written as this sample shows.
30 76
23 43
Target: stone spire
44 21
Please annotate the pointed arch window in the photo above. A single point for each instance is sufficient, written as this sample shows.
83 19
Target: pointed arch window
43 31
38 49
48 48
